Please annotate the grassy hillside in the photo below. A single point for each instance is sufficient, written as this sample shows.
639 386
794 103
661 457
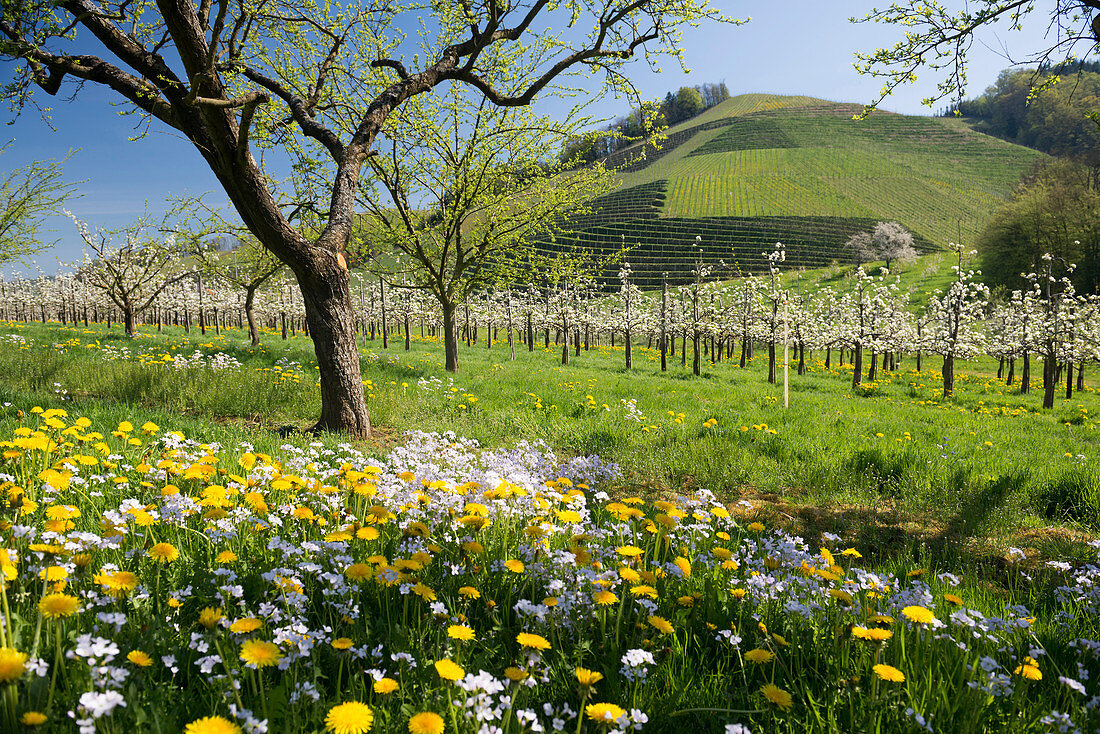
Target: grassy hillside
760 169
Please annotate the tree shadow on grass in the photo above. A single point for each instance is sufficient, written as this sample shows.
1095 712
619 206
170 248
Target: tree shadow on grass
972 536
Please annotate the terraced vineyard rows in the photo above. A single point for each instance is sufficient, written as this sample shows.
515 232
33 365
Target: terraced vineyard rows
758 169
665 244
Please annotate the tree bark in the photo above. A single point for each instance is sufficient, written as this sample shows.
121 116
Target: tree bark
948 375
450 337
330 319
1048 381
250 312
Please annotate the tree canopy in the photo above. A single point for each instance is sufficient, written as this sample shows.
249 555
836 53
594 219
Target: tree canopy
1054 120
28 195
1056 210
250 84
938 36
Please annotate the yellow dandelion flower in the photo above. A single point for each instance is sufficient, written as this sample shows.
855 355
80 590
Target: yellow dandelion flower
12 664
209 617
515 674
874 634
352 717
470 592
341 643
260 654
534 642
56 606
759 656
604 713
889 673
917 614
33 718
139 658
460 632
661 624
245 625
1027 670
163 553
212 725
514 566
777 696
449 670
587 678
426 722
603 597
384 686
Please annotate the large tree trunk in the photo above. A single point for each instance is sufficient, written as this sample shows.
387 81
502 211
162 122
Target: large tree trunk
331 321
128 319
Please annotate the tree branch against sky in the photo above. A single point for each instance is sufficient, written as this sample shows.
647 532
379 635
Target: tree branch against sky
320 82
939 37
27 196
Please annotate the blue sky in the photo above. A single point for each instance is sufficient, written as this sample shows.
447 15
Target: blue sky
787 48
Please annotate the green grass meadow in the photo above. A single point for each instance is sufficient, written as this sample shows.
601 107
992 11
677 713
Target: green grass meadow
871 561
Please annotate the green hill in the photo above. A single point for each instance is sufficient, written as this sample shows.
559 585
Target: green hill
759 169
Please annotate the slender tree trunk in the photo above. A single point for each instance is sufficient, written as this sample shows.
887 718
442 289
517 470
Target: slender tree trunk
564 341
1001 368
872 371
948 375
1069 380
1049 370
450 337
1080 377
696 361
1025 375
1011 371
250 312
857 366
771 362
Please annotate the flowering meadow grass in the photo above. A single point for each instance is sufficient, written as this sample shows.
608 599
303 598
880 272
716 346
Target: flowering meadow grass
174 568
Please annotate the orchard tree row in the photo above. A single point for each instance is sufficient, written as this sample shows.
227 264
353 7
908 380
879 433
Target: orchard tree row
870 322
